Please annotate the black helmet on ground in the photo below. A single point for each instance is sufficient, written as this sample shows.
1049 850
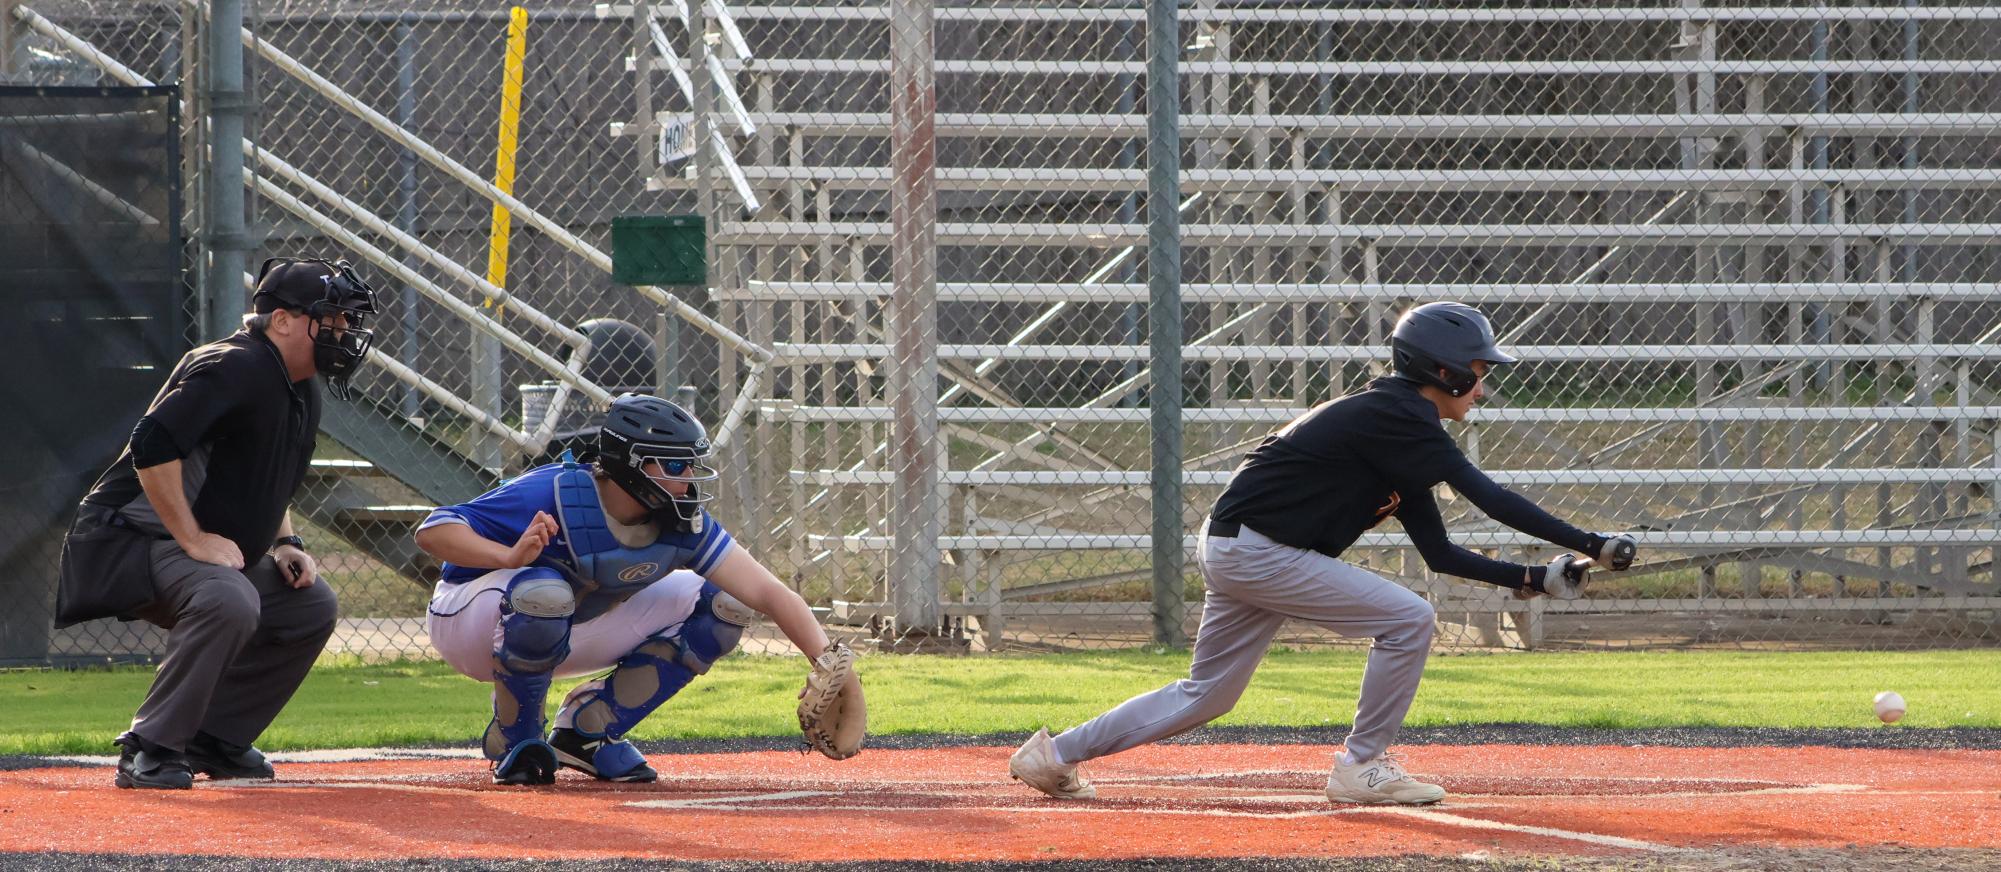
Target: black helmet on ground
640 430
320 289
1444 336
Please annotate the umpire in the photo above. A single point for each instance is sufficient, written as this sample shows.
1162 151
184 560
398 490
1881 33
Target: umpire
190 529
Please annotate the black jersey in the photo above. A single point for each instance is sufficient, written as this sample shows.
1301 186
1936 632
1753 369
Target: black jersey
1324 479
245 432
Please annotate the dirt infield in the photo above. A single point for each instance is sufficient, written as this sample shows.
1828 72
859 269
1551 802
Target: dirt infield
1588 806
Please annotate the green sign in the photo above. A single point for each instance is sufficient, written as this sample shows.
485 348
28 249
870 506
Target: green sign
659 250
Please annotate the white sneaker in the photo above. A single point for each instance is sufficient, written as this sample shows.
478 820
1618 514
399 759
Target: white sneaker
1037 766
1380 780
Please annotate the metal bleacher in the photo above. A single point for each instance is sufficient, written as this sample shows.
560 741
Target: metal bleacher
1784 213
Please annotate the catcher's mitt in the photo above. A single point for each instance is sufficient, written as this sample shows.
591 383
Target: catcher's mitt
832 713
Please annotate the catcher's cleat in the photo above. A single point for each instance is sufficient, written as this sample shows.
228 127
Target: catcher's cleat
531 762
146 765
1037 766
1382 780
601 758
208 755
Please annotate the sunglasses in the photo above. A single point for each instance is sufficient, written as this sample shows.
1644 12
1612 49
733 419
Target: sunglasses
676 467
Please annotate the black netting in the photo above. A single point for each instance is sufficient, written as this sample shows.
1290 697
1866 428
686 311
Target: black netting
96 314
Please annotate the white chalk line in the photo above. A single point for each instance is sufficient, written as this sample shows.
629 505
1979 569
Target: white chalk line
755 804
748 804
1549 832
337 785
1322 773
729 802
325 755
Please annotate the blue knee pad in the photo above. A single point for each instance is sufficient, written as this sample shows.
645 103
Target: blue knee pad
534 637
651 674
713 629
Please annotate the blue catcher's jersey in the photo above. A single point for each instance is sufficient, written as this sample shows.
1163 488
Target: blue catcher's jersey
603 570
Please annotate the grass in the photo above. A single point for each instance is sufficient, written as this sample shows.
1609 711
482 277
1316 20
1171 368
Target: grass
353 704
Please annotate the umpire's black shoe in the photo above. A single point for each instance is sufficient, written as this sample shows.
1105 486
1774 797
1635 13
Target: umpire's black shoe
218 759
146 765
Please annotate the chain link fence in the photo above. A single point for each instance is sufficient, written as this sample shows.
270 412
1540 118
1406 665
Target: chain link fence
1748 253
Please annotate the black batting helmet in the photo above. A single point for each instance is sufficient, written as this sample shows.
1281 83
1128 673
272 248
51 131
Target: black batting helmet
641 429
1444 336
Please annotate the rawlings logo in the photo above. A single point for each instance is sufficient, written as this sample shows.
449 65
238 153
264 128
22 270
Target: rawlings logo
638 572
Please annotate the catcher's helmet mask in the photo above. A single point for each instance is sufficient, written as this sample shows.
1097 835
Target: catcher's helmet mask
639 430
321 289
1448 337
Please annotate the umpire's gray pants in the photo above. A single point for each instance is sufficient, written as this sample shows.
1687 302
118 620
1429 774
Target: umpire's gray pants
1254 584
238 644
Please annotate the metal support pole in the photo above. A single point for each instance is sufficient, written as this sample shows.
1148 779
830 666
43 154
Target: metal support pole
228 241
704 103
1907 255
1163 260
1821 326
406 205
730 381
489 366
1130 316
915 513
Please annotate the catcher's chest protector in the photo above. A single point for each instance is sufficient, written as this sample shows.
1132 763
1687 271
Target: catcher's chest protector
606 570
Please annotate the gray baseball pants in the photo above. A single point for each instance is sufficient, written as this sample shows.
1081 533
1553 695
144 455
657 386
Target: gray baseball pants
238 644
1254 585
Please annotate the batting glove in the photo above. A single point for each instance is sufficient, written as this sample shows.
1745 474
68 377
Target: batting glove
1616 552
1563 578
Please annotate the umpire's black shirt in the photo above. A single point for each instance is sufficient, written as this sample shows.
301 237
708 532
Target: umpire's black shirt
1341 468
245 432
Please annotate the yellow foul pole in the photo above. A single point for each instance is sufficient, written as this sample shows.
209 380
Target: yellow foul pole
510 124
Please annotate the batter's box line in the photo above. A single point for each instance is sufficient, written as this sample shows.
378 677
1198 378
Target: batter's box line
1322 773
1196 779
737 803
1528 829
326 755
423 783
748 804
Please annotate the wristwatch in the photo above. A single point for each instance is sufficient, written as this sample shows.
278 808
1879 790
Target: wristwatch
293 541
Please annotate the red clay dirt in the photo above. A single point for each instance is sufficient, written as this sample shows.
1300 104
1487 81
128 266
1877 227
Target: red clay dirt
957 804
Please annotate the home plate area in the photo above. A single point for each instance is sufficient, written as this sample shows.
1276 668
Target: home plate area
957 804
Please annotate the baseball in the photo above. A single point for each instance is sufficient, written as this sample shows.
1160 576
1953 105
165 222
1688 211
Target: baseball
1890 706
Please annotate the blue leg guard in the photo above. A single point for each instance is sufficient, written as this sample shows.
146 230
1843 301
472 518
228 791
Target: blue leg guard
602 711
534 638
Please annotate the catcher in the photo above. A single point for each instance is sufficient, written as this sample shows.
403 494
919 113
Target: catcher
576 568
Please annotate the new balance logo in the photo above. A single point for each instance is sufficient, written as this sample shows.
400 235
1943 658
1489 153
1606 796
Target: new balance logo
1377 778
